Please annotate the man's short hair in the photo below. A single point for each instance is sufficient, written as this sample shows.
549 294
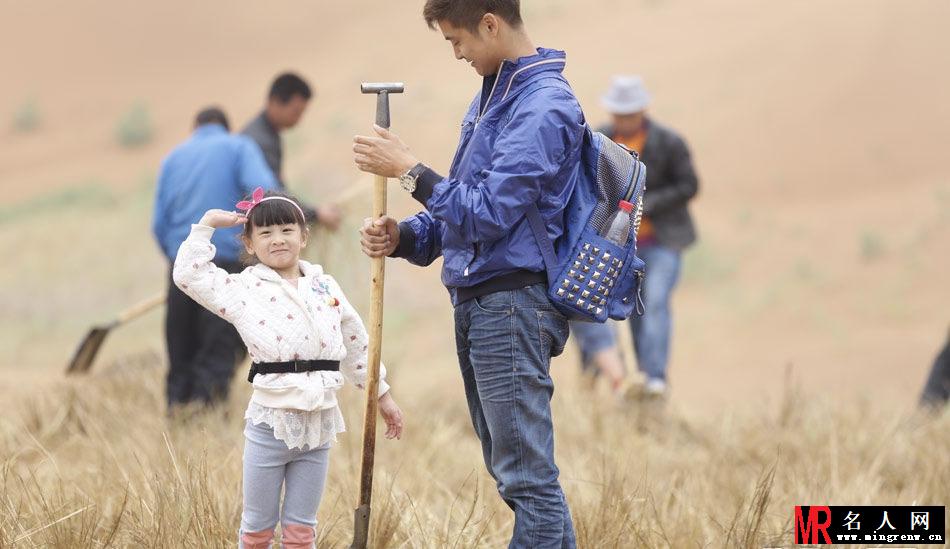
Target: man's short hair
287 85
212 115
467 14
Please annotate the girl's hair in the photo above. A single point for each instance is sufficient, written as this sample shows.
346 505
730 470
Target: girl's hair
275 212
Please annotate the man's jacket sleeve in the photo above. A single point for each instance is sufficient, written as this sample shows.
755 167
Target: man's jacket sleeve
482 205
681 185
420 239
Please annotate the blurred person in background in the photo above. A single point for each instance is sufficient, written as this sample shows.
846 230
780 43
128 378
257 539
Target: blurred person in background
287 100
666 230
211 169
937 389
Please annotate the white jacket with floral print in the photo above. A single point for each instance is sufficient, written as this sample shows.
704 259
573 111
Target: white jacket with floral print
279 322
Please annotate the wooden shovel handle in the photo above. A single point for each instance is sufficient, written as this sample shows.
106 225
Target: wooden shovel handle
140 309
375 330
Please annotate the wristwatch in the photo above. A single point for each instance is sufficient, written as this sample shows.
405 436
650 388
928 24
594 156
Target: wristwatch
408 180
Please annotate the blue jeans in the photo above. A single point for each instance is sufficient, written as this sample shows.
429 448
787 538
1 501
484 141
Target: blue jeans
651 332
505 341
593 338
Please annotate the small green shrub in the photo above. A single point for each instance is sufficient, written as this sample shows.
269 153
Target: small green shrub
135 127
872 246
27 117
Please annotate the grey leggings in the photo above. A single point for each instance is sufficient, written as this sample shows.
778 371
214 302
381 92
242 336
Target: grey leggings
269 464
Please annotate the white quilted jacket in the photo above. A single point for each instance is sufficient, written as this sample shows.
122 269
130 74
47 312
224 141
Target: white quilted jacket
279 322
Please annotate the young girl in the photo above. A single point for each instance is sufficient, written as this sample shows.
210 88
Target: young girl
304 338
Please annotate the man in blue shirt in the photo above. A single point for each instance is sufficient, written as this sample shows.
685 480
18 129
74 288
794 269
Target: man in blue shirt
211 169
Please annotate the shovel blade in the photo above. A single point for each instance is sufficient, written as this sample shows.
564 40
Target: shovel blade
360 527
86 353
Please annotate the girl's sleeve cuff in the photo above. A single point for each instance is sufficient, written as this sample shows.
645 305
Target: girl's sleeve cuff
201 232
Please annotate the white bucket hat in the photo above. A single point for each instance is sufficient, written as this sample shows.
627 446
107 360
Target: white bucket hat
627 95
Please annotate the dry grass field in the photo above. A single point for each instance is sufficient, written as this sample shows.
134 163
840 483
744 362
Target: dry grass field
95 464
807 316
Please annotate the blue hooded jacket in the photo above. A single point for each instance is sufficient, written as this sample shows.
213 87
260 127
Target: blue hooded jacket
520 145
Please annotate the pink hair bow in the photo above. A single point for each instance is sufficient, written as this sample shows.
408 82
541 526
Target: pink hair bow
256 197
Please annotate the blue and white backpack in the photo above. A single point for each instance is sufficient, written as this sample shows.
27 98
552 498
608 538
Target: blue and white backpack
589 277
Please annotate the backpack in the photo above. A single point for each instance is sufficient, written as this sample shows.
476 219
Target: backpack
590 278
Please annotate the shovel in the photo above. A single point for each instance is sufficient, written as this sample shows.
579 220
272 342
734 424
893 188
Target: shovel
361 516
86 353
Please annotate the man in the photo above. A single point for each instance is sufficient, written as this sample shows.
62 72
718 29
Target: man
286 102
520 143
665 231
212 169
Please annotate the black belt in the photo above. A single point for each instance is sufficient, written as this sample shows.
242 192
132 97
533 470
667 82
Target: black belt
510 281
294 366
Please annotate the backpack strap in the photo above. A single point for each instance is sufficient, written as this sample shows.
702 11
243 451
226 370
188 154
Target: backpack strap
544 243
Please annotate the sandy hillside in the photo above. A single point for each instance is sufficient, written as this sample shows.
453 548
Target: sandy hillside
818 130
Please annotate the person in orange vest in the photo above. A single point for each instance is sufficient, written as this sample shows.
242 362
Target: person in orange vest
666 230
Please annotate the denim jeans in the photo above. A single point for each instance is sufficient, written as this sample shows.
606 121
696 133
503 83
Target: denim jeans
651 332
505 341
593 338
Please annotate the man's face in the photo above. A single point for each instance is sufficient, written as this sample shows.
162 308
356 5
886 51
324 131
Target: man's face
479 49
628 124
286 115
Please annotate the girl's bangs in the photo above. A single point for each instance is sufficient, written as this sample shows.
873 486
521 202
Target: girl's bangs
275 212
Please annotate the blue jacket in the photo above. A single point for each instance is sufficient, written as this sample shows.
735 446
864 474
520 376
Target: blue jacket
212 169
520 145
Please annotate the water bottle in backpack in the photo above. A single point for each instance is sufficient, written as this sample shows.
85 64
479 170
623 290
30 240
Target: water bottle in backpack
618 228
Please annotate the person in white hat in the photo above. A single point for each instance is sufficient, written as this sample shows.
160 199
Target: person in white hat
667 229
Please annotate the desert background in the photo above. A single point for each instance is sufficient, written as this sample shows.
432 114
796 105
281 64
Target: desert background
806 319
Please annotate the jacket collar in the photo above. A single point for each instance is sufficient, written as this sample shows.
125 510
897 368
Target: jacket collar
513 75
209 129
264 121
264 272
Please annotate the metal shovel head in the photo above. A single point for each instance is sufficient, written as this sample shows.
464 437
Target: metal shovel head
360 527
86 353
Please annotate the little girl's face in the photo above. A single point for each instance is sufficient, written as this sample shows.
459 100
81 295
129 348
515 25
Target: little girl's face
277 246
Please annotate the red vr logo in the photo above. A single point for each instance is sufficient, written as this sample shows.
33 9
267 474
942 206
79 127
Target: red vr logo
810 521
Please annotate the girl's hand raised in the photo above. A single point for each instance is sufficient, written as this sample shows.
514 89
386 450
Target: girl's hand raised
220 219
392 415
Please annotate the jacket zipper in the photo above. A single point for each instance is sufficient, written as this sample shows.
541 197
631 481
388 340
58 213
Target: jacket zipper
477 120
474 257
485 109
487 102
